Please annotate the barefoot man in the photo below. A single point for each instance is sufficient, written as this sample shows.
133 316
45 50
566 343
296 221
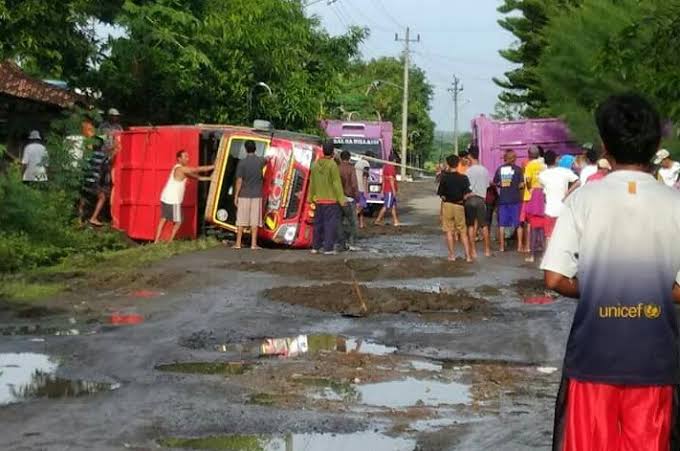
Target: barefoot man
173 193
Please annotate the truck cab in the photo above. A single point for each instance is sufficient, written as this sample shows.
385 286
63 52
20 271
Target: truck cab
147 155
373 139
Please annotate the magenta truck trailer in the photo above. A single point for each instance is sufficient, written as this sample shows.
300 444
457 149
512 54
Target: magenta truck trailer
373 139
493 138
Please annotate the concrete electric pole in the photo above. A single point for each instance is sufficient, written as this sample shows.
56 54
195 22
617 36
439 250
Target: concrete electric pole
404 110
457 88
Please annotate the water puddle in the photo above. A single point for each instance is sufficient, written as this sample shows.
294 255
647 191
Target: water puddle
295 442
413 392
304 344
210 368
26 376
433 424
424 365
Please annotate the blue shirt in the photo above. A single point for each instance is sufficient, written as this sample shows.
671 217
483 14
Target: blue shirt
508 179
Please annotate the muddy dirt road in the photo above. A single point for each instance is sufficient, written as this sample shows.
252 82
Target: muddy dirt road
390 348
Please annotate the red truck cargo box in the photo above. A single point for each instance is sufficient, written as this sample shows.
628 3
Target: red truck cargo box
140 171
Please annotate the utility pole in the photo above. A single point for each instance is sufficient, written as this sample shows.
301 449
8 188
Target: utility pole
457 88
404 109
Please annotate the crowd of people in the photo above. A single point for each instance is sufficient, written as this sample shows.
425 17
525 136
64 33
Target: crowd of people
93 149
525 199
338 189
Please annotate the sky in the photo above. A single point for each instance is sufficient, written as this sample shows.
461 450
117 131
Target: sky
459 37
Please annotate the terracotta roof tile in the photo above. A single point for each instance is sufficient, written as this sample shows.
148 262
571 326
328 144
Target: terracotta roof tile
15 82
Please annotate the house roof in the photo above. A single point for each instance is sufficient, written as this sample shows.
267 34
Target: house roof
15 82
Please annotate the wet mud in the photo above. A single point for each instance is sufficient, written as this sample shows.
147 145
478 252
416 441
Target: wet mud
364 270
388 230
360 300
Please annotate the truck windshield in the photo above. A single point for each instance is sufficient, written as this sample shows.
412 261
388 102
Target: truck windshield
371 150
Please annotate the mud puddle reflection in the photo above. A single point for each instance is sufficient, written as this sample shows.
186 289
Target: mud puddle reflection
25 376
412 392
304 344
295 442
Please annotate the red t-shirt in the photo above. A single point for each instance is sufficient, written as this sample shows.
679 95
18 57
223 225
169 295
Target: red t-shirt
389 171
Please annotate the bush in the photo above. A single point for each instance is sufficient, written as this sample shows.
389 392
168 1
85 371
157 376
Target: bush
37 225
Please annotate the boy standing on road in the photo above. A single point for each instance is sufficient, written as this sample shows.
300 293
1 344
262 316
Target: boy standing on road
555 181
347 229
621 369
454 189
390 190
248 195
325 191
510 182
173 193
533 168
362 168
475 205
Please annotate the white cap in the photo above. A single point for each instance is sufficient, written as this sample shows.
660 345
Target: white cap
661 155
35 134
113 112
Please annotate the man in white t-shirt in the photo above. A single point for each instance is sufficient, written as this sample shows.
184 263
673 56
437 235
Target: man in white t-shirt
669 170
591 168
34 159
555 181
362 167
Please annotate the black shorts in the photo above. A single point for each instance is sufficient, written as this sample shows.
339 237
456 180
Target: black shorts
475 210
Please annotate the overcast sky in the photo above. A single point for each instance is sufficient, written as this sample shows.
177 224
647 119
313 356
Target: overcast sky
456 36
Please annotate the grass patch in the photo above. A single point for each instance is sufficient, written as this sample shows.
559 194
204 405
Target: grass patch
22 291
230 442
107 268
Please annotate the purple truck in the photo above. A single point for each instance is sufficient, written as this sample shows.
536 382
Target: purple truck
493 138
373 139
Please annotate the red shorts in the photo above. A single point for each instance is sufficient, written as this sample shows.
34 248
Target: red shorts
536 222
607 417
523 212
549 225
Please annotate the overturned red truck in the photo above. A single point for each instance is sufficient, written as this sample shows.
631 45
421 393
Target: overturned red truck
147 155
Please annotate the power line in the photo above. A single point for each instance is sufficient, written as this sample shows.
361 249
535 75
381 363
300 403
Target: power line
369 20
381 6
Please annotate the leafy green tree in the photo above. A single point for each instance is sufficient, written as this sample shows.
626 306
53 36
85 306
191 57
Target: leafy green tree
526 19
608 46
53 38
373 90
201 62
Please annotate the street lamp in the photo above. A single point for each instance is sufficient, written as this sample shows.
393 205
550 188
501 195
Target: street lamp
375 84
260 84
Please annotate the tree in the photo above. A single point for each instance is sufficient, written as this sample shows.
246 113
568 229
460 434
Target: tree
199 62
507 111
373 90
621 45
53 38
521 85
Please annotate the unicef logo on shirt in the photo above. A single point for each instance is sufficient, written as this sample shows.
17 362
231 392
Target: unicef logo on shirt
639 311
652 311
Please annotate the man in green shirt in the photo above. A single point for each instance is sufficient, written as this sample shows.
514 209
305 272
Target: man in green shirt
325 192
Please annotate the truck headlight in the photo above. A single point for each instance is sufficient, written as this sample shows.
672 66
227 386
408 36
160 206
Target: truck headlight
286 234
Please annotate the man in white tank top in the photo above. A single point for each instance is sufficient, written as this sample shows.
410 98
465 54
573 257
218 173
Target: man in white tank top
172 195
